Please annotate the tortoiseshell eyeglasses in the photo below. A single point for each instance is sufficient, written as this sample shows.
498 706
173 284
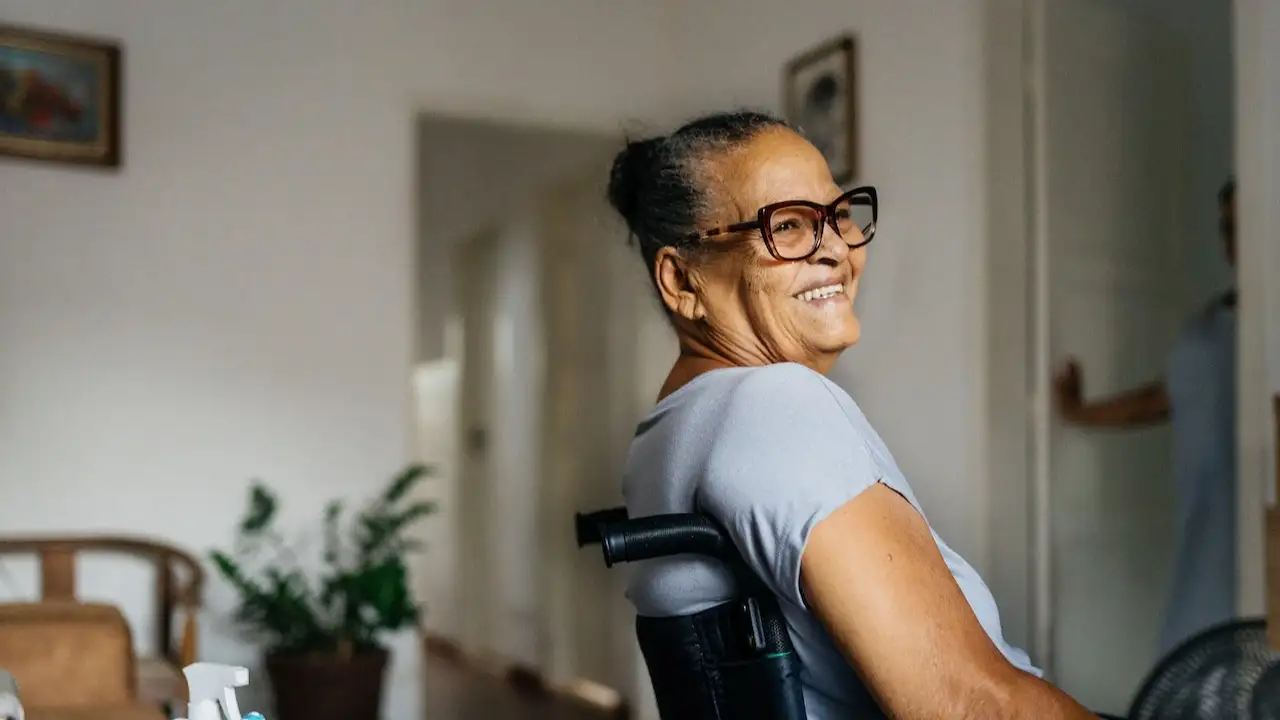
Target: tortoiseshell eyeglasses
792 229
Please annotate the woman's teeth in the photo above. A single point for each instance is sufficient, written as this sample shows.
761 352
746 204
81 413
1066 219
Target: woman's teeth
821 293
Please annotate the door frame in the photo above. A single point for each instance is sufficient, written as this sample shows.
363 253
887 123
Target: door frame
1018 368
1258 364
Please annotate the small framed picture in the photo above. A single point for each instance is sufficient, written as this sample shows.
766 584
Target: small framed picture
820 94
59 97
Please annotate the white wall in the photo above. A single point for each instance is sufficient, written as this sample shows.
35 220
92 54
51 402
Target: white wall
237 301
1205 29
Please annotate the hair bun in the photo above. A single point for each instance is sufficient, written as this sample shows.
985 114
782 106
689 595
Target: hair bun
631 169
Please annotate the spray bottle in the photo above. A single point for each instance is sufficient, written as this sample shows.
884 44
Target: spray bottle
211 690
10 706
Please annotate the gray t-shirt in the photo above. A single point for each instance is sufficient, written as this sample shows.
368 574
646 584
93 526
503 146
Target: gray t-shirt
769 452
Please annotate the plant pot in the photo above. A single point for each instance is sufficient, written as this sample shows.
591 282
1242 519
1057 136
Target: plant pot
327 687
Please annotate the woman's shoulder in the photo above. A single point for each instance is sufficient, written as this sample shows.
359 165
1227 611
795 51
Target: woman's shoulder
776 401
779 385
780 400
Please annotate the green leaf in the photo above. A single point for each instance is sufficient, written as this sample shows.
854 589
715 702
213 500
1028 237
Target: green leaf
262 510
403 483
362 591
332 541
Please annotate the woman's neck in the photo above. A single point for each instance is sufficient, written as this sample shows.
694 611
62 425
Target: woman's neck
698 357
695 359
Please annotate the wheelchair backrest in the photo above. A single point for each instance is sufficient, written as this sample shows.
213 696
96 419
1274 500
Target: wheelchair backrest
734 661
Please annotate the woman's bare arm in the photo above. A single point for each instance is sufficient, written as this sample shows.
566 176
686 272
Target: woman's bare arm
873 575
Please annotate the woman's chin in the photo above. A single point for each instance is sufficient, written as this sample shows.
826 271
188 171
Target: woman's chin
837 338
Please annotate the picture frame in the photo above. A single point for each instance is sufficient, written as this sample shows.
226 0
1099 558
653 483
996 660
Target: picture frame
820 90
60 97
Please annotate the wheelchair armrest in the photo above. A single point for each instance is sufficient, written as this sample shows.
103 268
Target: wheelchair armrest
663 535
587 525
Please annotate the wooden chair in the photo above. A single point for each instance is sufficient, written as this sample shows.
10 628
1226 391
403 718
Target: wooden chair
179 579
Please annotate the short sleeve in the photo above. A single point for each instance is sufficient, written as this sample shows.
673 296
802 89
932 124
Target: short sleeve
785 457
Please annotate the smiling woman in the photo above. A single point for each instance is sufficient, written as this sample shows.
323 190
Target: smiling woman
756 254
734 238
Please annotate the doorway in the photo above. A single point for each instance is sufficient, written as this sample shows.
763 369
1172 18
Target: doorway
1102 243
1109 146
518 249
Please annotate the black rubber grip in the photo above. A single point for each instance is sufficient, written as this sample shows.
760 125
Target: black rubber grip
587 525
663 535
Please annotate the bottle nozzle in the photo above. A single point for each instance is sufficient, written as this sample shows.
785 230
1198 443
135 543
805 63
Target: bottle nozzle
211 690
10 706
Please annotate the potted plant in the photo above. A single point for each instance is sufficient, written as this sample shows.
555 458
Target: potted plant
323 655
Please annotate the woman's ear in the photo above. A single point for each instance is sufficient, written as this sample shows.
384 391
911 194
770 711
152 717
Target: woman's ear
676 285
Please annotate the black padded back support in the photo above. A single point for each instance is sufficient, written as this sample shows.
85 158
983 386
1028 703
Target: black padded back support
732 662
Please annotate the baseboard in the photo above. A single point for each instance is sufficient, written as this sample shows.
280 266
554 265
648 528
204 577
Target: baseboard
526 680
442 647
530 681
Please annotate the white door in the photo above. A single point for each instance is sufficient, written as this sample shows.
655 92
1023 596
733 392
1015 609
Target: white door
1108 138
476 548
514 442
591 289
435 576
498 558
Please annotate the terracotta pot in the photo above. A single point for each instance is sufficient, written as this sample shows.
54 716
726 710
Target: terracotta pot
326 687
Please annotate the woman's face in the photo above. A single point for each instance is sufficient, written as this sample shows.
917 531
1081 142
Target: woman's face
740 301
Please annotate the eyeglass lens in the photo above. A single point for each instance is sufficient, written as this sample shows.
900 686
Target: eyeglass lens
796 230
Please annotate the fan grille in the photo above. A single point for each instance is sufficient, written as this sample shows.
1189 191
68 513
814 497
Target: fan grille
1211 676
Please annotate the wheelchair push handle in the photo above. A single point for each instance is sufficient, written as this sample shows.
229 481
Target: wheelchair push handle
663 535
587 525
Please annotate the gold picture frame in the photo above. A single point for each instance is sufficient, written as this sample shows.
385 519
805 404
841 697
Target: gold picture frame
820 90
60 97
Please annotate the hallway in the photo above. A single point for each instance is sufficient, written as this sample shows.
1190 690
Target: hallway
456 692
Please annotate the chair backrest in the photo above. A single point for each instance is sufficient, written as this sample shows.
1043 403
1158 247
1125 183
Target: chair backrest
734 661
178 581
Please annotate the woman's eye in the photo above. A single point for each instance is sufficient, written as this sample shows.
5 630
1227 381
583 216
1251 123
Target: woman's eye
785 226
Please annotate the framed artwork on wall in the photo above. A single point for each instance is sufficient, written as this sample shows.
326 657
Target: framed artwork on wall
820 96
59 97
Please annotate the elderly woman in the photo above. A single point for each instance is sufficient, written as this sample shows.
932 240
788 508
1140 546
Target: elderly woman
756 254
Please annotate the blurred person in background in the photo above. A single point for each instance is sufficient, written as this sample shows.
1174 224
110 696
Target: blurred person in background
1197 396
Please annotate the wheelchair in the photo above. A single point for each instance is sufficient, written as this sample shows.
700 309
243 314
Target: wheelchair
734 661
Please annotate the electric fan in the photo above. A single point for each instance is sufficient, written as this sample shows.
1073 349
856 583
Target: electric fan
1213 676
